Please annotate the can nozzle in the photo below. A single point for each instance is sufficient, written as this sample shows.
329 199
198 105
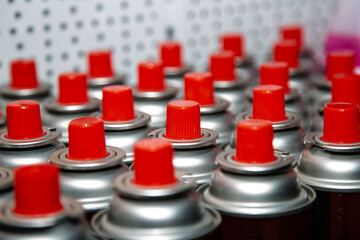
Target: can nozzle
340 61
346 88
293 32
287 51
171 54
72 89
222 66
23 74
151 76
233 42
100 64
199 87
275 73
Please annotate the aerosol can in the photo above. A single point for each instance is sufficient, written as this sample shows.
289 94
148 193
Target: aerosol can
6 184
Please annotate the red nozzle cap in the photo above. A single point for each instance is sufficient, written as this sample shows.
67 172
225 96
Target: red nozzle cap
269 103
86 139
171 54
151 76
199 87
183 120
23 74
275 73
222 66
233 42
100 64
292 32
117 103
340 61
37 190
146 153
254 141
23 120
341 123
346 88
287 51
72 89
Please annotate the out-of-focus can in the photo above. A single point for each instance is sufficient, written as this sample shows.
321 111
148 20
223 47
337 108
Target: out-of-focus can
6 184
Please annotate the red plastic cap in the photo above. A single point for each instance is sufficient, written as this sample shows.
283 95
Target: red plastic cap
341 123
151 76
146 153
254 141
340 61
222 66
275 73
287 51
269 103
100 64
171 54
117 103
23 74
293 32
183 120
72 89
233 42
87 139
346 88
37 190
199 87
23 120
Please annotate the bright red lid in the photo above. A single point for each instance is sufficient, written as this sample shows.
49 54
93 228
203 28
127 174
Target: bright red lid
340 61
346 88
171 54
275 73
100 64
151 76
199 87
222 66
233 42
293 32
23 74
72 89
287 51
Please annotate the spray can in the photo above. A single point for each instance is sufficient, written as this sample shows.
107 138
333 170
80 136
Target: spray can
2 119
256 190
25 141
6 184
72 102
195 148
101 72
37 211
154 203
88 166
123 126
329 164
152 94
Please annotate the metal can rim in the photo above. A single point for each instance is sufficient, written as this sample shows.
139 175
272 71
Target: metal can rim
105 81
314 138
42 90
51 105
169 92
142 119
6 178
171 72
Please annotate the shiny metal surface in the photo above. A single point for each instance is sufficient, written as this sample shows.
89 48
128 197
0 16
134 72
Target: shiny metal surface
322 90
95 85
175 77
318 118
169 212
2 121
10 93
6 184
301 78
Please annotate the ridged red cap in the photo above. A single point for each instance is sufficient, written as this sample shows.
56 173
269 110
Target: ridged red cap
117 103
72 89
171 54
340 61
23 120
233 42
254 139
287 51
346 88
151 76
23 74
183 120
199 87
341 123
86 139
100 64
293 32
222 66
37 190
269 103
275 73
153 163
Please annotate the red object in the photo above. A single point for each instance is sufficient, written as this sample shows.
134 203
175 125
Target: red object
269 103
287 51
151 76
293 32
23 120
87 139
72 89
222 66
233 42
23 74
254 141
37 190
275 73
183 120
340 61
199 87
341 123
153 164
117 103
171 54
346 88
100 64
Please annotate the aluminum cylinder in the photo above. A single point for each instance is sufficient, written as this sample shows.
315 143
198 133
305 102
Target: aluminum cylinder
318 118
301 78
245 66
95 85
175 76
6 184
2 122
322 88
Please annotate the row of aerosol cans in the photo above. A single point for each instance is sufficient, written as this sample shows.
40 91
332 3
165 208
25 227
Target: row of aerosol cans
222 154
